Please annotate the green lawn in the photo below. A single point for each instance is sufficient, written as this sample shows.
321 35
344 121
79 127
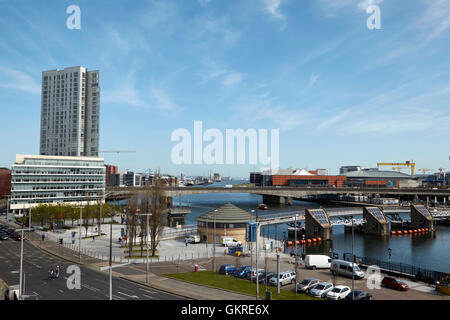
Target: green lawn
208 278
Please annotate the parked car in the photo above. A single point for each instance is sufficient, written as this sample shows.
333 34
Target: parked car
394 283
338 293
265 276
307 284
18 237
227 269
10 231
3 236
252 274
359 295
242 272
230 242
316 261
192 239
346 268
286 277
321 289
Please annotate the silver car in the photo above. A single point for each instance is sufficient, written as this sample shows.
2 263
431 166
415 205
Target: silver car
321 289
307 284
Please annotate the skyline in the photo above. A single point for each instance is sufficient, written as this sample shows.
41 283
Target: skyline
339 93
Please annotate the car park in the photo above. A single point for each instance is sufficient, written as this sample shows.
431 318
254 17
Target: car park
307 284
227 269
286 277
338 293
394 283
358 295
321 289
346 268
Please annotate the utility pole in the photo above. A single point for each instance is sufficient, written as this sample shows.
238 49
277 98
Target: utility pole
353 262
79 238
295 232
110 261
214 242
256 258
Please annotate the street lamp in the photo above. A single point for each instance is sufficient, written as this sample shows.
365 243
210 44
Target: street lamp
214 241
79 238
353 261
389 253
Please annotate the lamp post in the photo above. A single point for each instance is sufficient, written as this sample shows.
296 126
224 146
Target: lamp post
79 238
295 232
214 241
353 261
389 254
148 235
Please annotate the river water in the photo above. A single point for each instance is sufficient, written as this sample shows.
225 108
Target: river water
425 251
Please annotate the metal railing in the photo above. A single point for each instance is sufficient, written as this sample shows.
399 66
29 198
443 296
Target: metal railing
414 272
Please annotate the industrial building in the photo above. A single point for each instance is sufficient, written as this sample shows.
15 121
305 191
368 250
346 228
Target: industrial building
375 177
38 179
111 172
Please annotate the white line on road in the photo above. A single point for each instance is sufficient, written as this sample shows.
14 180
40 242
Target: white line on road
149 297
134 297
117 298
148 291
125 289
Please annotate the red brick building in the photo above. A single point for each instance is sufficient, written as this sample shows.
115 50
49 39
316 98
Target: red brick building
5 182
110 170
296 180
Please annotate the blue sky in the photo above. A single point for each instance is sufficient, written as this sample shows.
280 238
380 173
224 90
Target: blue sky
339 93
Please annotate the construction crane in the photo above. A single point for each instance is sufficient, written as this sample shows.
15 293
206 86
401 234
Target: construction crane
405 164
118 152
425 170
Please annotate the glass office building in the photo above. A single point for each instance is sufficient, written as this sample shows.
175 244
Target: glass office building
38 179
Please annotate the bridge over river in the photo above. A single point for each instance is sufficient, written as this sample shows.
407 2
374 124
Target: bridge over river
284 194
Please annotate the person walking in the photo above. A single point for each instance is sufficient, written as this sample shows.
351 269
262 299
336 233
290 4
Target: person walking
43 237
57 271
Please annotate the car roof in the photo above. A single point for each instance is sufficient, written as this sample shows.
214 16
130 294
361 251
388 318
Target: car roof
311 279
341 287
325 283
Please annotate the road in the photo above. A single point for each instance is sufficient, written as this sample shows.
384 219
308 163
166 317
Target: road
94 284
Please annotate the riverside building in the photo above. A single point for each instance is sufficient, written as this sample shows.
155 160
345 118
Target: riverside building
70 109
38 179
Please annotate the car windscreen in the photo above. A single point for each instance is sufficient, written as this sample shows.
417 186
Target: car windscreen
337 290
319 287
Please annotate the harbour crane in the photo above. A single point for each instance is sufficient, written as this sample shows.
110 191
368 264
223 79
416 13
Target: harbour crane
425 170
118 152
404 164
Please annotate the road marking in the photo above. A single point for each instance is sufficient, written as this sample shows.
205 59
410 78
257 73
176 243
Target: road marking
149 297
90 288
125 289
118 298
61 291
134 296
148 291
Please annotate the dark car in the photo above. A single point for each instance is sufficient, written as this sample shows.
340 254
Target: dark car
3 236
10 231
17 236
2 227
394 283
242 272
227 269
265 276
359 295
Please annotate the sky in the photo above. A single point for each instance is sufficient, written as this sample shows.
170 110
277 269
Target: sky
338 92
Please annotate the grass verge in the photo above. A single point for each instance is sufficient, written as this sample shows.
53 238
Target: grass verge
211 279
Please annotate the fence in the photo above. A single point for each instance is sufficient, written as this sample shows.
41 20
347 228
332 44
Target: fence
407 270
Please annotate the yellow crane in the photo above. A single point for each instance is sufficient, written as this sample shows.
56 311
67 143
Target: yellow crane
396 165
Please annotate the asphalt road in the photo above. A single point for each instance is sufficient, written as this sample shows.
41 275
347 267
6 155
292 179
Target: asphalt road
94 284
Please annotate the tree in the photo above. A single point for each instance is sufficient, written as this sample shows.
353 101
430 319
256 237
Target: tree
131 208
157 202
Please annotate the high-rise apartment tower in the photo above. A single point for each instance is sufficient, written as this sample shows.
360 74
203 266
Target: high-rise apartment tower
70 112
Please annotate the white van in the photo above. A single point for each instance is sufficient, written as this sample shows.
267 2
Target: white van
230 242
316 261
345 268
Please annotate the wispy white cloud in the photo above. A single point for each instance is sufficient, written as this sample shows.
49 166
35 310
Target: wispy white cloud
160 99
232 79
436 19
18 80
273 8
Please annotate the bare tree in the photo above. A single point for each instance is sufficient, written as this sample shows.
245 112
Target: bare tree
131 208
157 203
